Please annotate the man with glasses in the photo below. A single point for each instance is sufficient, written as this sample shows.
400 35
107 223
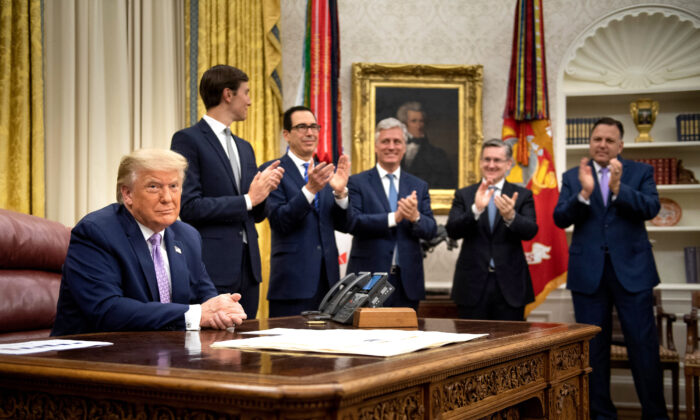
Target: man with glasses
492 279
224 195
310 203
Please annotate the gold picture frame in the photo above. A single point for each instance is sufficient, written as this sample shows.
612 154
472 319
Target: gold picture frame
459 88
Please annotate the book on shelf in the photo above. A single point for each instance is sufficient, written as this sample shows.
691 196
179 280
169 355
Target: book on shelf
578 130
692 263
688 127
665 169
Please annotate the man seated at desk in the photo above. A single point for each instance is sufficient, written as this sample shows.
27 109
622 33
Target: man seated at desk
132 266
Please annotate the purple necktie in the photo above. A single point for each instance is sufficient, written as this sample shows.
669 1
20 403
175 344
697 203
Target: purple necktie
604 181
161 274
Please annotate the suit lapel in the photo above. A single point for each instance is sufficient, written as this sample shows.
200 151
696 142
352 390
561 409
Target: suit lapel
138 244
215 144
404 186
178 268
291 170
378 188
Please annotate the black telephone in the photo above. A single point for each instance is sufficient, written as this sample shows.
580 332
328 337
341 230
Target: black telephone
355 291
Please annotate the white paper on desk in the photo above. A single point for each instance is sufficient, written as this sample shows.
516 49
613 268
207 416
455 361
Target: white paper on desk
364 342
29 347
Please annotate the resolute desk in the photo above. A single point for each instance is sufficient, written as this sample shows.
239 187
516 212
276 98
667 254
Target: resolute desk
532 370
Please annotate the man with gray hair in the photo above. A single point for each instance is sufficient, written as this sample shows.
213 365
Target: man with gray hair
132 266
493 217
389 214
423 159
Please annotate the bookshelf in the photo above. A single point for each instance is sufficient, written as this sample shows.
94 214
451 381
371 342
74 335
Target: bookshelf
668 241
591 84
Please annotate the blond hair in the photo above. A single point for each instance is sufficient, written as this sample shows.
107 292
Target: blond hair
148 160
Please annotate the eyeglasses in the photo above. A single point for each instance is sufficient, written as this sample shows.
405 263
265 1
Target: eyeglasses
497 161
303 127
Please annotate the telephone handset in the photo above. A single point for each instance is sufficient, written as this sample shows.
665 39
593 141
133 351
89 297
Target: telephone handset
329 304
354 291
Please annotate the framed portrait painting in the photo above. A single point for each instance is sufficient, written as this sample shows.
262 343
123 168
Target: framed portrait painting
441 107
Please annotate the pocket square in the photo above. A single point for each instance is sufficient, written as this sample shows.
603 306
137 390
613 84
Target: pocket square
177 249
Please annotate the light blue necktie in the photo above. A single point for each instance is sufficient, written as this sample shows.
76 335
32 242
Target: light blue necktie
604 181
393 205
393 195
492 216
306 179
492 207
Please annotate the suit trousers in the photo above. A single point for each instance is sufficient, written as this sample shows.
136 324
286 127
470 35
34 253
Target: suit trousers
492 305
291 307
398 298
639 328
250 289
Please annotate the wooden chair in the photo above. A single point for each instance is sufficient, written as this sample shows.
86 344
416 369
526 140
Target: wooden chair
670 360
692 359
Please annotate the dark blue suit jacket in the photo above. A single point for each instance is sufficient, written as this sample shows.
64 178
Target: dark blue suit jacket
109 281
212 204
373 241
302 237
504 245
619 227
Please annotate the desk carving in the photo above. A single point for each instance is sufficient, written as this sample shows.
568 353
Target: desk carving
407 406
472 388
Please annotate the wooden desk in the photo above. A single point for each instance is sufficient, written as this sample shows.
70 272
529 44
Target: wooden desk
530 370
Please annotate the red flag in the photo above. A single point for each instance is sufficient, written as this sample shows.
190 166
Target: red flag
322 64
526 126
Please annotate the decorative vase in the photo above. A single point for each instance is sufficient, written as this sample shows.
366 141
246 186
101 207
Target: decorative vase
644 113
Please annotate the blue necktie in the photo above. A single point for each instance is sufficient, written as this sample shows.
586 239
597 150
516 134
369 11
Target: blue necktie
492 216
393 205
492 207
306 179
393 195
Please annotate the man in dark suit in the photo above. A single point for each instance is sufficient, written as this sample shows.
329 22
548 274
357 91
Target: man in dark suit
224 195
423 159
132 266
607 199
390 213
492 279
310 202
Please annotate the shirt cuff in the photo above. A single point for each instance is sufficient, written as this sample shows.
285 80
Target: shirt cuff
193 317
342 202
308 194
508 222
476 212
583 200
248 203
391 219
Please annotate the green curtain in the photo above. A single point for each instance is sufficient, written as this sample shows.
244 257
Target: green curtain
243 34
21 107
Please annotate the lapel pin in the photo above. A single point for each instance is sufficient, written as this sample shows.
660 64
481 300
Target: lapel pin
177 249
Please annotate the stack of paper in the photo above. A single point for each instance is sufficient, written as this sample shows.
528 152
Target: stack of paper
346 341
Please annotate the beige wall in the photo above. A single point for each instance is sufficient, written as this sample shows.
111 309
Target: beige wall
443 32
458 32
